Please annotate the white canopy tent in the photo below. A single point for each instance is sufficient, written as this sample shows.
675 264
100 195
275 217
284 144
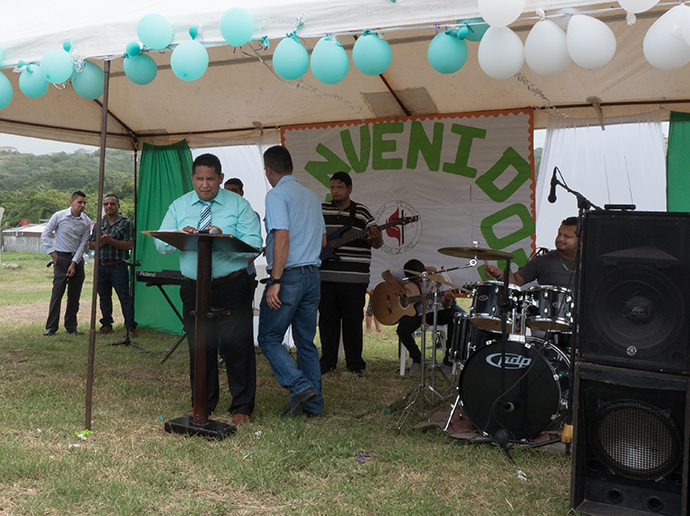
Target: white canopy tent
240 97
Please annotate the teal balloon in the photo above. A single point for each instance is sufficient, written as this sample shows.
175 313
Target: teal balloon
475 32
32 83
89 82
155 31
6 91
290 59
57 66
237 26
329 61
371 55
447 53
132 49
189 60
140 69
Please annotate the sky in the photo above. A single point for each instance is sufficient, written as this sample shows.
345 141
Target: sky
38 146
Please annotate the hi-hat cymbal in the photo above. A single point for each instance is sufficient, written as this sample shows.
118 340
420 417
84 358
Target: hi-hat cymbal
438 278
475 252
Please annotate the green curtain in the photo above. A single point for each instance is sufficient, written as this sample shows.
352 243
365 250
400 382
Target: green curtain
165 175
678 163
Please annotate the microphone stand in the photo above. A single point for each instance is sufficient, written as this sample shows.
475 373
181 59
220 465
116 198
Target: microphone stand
127 341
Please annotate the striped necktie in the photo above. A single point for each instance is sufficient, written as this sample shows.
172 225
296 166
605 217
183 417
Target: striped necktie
205 218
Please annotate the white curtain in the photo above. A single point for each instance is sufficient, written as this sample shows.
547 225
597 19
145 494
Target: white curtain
622 164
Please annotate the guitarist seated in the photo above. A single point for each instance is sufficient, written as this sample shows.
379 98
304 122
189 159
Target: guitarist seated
409 324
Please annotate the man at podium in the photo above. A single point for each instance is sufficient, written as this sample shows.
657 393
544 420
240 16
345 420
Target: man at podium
210 208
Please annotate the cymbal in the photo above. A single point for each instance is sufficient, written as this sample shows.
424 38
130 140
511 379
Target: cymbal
475 252
438 278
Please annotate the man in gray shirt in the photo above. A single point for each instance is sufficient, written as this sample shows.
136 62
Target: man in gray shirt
555 268
71 229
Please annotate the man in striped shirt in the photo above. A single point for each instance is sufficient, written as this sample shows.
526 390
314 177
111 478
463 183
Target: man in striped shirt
344 277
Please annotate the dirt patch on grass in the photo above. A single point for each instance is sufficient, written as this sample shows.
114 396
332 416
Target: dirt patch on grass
34 313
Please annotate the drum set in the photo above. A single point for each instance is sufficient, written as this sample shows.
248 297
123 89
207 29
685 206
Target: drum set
515 382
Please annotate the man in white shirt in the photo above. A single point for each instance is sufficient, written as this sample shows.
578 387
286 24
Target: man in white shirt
71 229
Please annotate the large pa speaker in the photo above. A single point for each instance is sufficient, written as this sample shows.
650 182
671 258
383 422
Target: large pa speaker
630 449
635 290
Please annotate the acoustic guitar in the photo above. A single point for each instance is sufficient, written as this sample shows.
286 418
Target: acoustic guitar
339 238
389 307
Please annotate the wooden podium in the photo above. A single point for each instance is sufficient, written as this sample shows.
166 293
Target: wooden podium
204 244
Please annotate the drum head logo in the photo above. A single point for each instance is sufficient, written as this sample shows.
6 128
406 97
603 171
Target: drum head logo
399 238
512 361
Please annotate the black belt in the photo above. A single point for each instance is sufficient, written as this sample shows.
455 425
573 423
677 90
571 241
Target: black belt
220 281
64 252
114 262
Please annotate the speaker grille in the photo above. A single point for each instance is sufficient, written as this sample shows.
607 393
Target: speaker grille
637 306
635 440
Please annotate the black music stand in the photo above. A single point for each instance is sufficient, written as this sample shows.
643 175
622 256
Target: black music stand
204 244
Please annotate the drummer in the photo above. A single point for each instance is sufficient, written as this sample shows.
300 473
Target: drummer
407 325
555 268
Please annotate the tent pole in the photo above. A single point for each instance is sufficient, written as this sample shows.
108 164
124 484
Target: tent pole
97 259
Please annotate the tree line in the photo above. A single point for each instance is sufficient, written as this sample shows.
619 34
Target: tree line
33 187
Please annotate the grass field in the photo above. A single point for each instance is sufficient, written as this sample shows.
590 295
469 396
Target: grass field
350 461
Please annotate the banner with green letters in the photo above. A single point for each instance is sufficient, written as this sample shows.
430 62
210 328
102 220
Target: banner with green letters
469 178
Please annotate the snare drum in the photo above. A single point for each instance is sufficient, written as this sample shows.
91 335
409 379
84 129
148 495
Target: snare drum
466 338
536 383
485 311
550 308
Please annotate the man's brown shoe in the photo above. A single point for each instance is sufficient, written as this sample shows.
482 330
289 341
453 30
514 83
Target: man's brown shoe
241 419
105 329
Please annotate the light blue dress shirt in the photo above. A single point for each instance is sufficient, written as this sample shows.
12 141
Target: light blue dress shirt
231 213
291 206
71 234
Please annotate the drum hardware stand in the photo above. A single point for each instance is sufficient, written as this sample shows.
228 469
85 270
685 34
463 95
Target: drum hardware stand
413 394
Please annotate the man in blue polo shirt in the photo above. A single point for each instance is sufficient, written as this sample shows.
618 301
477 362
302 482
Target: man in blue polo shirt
296 233
209 207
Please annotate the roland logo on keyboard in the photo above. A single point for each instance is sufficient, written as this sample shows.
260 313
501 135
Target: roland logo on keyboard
512 361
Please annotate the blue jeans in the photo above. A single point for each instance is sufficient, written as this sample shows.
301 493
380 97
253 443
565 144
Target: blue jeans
300 291
116 277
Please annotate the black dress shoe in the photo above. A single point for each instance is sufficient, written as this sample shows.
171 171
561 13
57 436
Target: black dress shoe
310 415
75 331
297 403
49 332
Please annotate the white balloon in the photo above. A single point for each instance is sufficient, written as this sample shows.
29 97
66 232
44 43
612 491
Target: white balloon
685 28
637 6
546 50
663 45
500 53
499 13
591 43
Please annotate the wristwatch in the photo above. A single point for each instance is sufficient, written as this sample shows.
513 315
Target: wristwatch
273 281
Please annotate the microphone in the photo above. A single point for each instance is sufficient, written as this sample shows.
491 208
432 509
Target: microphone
554 182
214 231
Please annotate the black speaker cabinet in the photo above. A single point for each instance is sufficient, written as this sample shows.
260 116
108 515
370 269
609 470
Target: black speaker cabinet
635 290
630 448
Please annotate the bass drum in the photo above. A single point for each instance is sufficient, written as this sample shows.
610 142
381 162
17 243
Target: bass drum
536 387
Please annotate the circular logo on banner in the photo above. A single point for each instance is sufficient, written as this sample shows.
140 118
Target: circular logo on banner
402 226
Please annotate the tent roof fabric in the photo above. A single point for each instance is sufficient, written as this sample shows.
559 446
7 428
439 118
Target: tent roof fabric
240 96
